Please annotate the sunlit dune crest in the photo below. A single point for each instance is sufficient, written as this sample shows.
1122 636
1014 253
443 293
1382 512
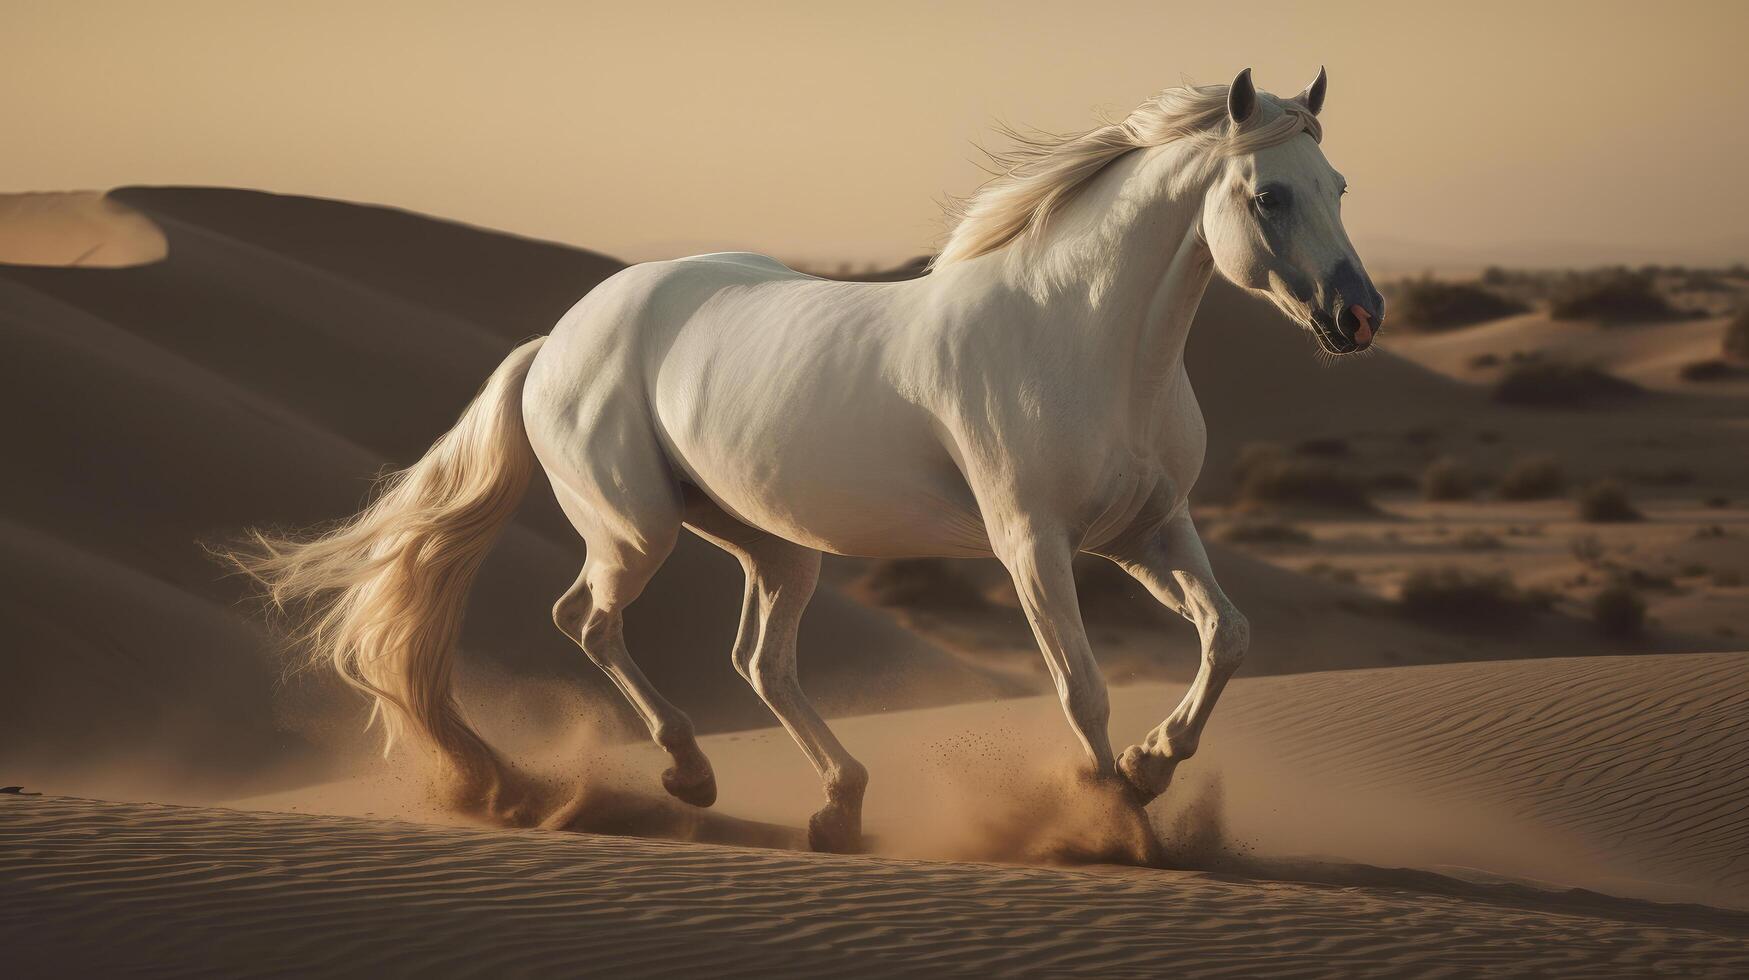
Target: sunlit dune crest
83 229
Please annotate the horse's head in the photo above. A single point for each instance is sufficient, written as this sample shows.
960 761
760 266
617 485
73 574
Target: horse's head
1273 219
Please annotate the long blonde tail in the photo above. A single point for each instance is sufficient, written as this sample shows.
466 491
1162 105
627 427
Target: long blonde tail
380 597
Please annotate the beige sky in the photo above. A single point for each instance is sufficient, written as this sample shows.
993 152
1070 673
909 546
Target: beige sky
826 131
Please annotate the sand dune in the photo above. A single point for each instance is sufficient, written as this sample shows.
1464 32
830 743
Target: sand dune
1648 354
86 229
1627 776
283 354
178 890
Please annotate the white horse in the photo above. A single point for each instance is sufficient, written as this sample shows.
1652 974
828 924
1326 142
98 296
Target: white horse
1027 399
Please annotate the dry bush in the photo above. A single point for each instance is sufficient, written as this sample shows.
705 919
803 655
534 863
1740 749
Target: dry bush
1447 478
1452 596
1113 596
1619 611
921 583
1736 342
1261 532
1612 297
1711 369
1533 478
1267 477
1477 539
1605 502
1429 304
1557 384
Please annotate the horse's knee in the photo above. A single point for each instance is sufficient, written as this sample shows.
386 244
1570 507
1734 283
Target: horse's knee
1228 640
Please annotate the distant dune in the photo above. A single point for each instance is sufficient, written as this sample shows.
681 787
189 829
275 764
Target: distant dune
286 351
86 229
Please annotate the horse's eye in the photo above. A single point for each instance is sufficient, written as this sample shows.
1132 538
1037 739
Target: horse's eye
1266 201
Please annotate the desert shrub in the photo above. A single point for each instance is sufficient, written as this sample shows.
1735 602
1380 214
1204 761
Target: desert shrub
1618 611
1617 297
1727 578
1273 479
1717 503
1485 360
1736 342
1557 384
1460 597
1110 594
1533 478
921 583
1261 532
1711 369
1605 502
1477 539
1447 478
1429 304
1335 573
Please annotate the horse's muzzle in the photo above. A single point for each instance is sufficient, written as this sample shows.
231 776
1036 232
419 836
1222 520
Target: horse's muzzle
1357 311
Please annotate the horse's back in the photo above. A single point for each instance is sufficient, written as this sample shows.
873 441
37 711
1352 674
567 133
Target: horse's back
768 389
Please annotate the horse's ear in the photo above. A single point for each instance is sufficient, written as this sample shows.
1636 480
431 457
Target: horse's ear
1313 97
1241 97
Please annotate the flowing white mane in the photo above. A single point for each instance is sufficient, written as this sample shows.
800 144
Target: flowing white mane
1042 172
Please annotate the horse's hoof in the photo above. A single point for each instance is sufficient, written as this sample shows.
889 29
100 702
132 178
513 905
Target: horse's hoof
835 830
698 792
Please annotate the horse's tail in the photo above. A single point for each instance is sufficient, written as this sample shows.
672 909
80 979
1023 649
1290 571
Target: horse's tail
380 596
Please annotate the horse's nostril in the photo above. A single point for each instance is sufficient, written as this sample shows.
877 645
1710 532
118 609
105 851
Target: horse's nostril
1363 325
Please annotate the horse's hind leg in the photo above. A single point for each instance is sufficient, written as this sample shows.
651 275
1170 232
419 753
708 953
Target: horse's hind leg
591 613
780 580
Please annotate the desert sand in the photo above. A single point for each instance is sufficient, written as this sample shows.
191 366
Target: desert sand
1383 822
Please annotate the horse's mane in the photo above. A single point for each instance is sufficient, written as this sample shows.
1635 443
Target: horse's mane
1042 171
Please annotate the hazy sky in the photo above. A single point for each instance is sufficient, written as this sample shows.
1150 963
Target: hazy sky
830 131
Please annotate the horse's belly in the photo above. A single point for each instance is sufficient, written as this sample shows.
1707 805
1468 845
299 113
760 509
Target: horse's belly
845 507
863 474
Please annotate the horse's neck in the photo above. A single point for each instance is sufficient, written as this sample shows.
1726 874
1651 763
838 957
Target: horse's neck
1125 261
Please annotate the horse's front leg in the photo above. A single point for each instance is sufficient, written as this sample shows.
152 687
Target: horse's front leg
1171 562
1041 561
